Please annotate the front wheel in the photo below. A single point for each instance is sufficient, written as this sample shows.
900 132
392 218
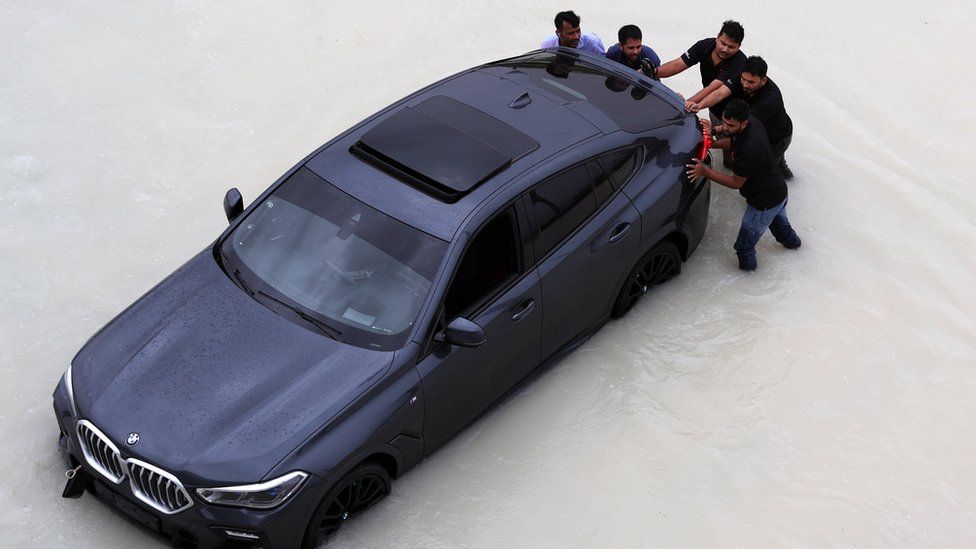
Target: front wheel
355 492
661 263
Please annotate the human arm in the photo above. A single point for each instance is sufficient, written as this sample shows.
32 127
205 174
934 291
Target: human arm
723 143
712 98
697 169
651 55
704 92
671 68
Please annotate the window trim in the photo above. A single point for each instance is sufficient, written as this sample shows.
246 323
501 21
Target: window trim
638 164
525 265
618 188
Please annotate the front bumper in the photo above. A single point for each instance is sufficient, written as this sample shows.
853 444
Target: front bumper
202 525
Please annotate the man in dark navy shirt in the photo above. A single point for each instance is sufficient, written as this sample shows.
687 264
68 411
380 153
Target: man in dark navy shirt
717 58
765 103
757 179
629 50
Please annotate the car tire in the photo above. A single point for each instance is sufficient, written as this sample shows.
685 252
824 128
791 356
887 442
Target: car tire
661 263
355 492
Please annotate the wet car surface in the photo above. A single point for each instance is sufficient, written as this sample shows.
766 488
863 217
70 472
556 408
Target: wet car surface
380 296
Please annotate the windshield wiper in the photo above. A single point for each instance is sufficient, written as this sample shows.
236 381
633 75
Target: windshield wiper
325 328
240 280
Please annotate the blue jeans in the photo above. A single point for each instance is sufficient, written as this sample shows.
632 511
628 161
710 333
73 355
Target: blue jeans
754 224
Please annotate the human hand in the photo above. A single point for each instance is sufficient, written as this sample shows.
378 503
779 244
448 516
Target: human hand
695 170
691 106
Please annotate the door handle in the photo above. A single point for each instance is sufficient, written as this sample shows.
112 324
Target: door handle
619 232
524 309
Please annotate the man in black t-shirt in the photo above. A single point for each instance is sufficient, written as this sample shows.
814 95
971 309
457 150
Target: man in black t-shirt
765 103
757 179
717 58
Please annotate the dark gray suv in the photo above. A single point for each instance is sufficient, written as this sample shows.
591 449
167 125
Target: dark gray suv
380 296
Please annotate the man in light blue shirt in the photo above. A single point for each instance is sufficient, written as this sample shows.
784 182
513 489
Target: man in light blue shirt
568 35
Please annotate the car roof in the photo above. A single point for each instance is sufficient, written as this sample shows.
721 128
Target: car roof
432 158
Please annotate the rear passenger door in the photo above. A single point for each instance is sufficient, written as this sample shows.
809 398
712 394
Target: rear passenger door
586 233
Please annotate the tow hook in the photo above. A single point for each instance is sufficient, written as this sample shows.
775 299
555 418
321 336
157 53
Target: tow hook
77 482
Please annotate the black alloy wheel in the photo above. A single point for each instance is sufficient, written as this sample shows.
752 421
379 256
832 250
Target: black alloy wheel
357 491
658 265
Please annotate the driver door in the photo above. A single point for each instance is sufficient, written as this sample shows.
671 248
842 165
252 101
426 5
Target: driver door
491 288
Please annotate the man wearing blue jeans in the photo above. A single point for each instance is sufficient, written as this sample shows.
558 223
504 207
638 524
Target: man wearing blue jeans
758 180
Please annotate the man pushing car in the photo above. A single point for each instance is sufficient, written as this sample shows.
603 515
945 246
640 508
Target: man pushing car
756 177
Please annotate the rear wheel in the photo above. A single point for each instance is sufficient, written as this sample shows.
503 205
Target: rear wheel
661 263
355 492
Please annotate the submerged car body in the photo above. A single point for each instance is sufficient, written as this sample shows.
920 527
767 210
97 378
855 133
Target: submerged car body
380 296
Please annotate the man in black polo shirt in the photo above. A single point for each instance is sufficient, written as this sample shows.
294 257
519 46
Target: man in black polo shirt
717 58
758 180
765 103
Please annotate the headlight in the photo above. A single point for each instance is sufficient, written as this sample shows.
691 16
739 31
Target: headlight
71 391
256 496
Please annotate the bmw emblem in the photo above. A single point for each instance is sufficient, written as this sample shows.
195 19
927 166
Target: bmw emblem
132 439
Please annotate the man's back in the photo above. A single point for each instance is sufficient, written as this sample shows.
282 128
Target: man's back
752 159
766 105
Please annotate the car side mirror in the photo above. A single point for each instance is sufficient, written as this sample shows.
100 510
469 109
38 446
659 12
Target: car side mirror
233 204
462 332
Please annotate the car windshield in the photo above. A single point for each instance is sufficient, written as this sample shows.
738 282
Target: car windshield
331 257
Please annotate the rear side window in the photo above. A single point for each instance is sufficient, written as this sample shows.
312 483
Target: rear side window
602 184
620 164
559 205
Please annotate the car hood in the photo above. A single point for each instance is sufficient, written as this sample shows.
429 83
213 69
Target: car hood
218 387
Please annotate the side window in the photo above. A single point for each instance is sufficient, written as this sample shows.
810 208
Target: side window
620 164
489 262
559 205
602 185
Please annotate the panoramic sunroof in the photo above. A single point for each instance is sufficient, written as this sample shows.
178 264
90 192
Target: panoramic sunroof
443 146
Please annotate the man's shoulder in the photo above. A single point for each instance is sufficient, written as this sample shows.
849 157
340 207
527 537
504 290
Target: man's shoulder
734 83
699 49
551 42
591 42
771 88
768 96
737 61
613 51
756 132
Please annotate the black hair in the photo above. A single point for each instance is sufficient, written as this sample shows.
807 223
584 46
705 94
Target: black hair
732 29
628 32
755 66
569 17
737 109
